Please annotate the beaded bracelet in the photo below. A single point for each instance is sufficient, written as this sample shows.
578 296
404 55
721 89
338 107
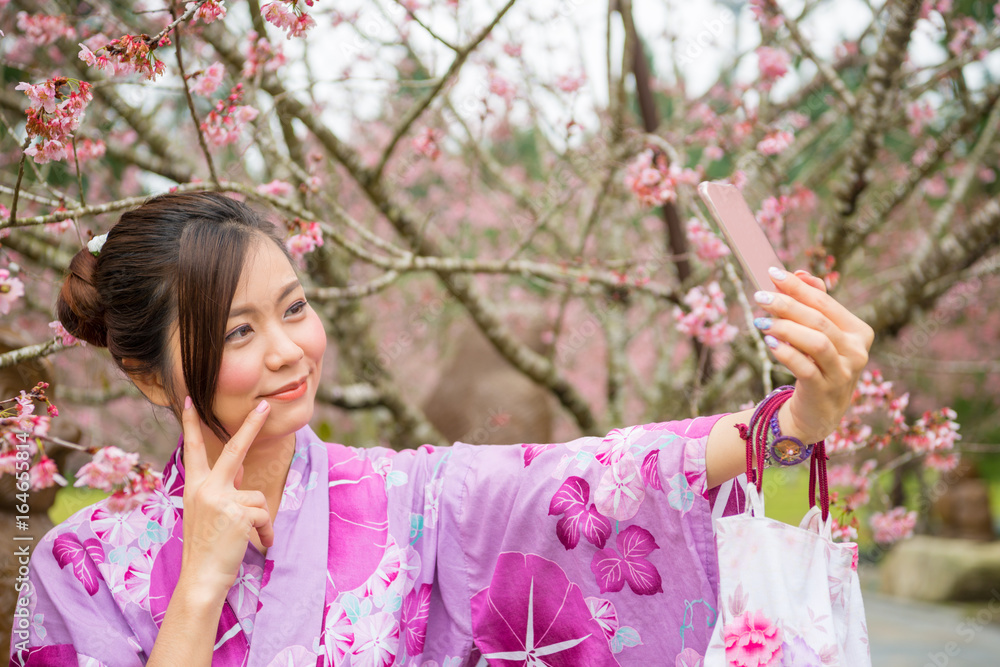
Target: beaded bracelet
764 437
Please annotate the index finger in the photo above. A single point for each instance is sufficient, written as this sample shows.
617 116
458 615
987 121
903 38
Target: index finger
835 311
194 457
234 451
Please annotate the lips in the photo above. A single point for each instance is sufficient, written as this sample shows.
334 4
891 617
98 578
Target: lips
287 387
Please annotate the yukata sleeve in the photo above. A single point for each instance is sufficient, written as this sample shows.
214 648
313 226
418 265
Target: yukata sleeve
65 614
601 544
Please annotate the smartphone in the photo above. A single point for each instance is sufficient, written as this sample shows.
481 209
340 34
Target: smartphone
743 234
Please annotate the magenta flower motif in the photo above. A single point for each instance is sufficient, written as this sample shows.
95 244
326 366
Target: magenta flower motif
416 609
604 614
338 634
752 640
570 500
650 470
621 490
376 640
531 614
613 570
83 559
533 450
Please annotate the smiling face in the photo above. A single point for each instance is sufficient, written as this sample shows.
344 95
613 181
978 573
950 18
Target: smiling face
274 345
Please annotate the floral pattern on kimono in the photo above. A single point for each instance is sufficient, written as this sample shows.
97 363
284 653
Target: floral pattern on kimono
597 551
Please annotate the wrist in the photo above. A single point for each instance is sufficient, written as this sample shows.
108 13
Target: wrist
199 596
789 426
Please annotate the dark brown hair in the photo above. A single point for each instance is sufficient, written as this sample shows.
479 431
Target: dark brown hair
176 258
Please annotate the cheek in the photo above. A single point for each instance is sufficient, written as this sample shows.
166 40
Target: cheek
314 338
237 381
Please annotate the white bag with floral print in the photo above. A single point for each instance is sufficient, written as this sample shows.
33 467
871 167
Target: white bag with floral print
788 596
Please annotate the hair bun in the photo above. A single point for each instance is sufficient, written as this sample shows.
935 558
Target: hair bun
79 306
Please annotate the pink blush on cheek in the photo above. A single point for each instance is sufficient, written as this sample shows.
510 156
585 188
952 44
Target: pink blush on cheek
238 382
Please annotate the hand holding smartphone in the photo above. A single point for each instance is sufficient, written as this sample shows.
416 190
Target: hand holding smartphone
742 233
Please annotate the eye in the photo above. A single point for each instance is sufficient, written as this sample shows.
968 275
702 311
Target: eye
239 333
296 308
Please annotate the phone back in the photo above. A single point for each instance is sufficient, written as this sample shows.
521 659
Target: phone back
742 233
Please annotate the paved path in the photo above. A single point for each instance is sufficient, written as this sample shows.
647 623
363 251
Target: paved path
904 633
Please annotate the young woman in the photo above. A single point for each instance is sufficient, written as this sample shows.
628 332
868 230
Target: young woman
268 546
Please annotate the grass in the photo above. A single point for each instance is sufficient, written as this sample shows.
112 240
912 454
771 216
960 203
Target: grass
70 499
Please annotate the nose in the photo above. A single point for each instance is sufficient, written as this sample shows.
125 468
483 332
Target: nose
283 350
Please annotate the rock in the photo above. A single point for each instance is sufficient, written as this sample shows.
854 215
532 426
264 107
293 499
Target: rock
936 569
963 508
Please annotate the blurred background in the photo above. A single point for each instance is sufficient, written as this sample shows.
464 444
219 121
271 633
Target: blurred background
541 158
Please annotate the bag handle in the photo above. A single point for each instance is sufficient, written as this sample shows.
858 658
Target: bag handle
817 472
755 436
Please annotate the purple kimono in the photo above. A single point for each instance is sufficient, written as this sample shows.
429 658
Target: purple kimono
598 551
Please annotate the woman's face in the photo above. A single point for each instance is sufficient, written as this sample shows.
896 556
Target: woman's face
273 350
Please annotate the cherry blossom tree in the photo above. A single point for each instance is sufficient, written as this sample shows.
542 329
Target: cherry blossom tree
438 160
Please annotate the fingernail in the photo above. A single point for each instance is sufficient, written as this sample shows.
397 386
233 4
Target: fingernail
763 297
763 323
771 341
777 273
187 402
262 406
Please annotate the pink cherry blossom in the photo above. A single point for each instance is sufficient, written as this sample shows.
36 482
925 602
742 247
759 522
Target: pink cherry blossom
209 80
125 55
284 15
42 95
707 320
775 142
920 114
41 30
305 242
707 246
261 55
11 289
64 337
109 468
226 121
894 525
771 216
212 10
655 182
935 431
752 640
769 17
426 143
570 83
501 87
773 63
276 188
44 474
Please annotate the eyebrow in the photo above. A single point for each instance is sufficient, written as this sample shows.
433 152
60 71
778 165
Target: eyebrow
247 309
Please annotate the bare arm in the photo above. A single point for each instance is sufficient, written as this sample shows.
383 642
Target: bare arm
187 635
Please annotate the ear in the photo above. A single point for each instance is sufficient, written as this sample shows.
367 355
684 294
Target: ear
150 384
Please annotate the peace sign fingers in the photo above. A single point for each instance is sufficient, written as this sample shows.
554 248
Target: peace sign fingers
196 466
231 459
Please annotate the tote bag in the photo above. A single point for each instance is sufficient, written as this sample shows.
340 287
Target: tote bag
788 596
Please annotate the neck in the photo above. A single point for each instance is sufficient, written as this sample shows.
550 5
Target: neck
265 466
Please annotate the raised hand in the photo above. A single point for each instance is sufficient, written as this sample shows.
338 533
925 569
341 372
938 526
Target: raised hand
219 518
822 343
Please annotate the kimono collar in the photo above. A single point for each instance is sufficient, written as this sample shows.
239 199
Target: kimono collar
289 613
